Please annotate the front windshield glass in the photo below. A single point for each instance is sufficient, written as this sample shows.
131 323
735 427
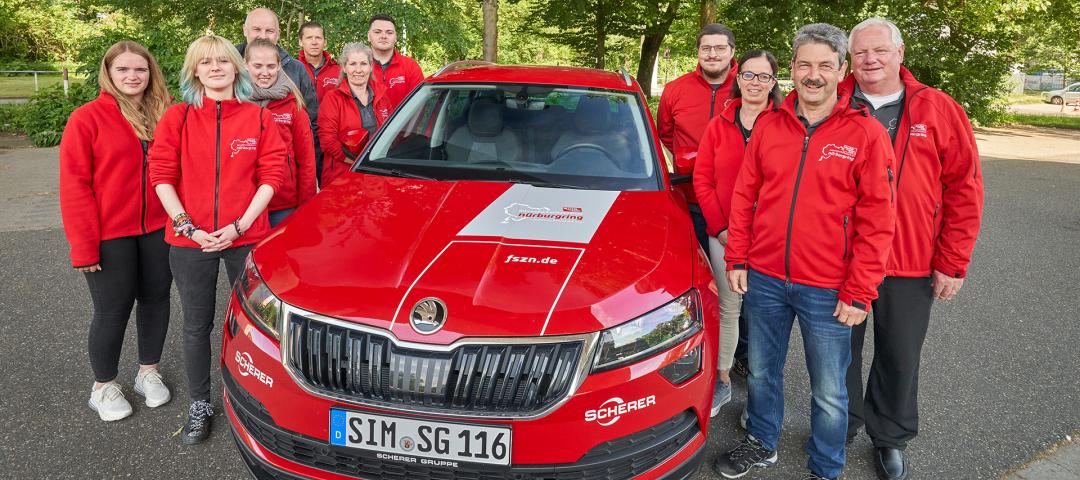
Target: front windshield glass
540 134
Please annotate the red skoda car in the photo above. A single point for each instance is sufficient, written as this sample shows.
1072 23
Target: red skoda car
505 286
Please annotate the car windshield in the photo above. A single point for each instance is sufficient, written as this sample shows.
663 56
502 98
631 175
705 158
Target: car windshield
546 135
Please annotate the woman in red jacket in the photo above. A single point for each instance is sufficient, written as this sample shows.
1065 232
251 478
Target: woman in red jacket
274 91
351 114
718 161
216 161
114 223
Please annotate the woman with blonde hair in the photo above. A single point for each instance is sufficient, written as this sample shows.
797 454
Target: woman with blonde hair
350 114
274 91
115 224
215 164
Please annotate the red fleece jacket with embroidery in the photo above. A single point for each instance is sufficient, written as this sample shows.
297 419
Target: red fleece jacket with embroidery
686 106
815 209
719 159
217 156
299 184
939 185
338 114
105 190
398 80
326 78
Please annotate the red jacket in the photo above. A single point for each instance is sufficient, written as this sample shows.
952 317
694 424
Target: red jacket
815 210
216 156
105 190
338 114
939 187
718 160
328 76
686 106
299 184
401 76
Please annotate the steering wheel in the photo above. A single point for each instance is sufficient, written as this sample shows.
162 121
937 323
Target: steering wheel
594 167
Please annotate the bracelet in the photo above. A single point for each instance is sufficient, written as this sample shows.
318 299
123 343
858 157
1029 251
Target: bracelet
186 229
191 231
180 219
236 225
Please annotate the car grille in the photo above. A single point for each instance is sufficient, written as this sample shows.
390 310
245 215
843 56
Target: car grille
623 458
495 379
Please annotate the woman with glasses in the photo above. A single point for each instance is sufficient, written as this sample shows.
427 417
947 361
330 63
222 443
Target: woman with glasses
719 159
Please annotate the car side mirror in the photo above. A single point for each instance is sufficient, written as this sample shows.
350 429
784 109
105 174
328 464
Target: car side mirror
677 179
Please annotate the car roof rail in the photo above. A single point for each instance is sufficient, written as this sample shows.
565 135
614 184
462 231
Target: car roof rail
460 64
625 76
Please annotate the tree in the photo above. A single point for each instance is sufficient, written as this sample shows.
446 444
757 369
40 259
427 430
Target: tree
491 30
1056 46
657 16
583 25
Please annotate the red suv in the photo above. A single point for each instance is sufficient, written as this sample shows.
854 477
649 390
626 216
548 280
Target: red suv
506 285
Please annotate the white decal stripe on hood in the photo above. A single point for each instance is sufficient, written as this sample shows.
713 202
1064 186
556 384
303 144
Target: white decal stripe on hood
527 212
417 279
569 274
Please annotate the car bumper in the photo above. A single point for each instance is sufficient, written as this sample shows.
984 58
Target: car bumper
281 429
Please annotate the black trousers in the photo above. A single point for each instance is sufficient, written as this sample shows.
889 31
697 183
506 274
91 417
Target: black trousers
134 268
700 228
196 275
889 408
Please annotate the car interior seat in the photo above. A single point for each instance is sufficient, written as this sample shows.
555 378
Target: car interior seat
483 138
592 125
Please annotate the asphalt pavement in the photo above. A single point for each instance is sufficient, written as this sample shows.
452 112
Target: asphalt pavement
999 377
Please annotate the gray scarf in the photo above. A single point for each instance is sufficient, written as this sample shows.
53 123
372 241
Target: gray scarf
277 91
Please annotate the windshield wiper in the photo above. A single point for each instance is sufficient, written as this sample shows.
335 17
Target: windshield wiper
393 172
544 183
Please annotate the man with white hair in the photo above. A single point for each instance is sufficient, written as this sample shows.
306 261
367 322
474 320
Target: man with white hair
263 23
815 187
939 196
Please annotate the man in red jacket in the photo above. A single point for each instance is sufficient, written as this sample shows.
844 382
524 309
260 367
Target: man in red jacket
324 72
809 231
397 73
687 104
939 196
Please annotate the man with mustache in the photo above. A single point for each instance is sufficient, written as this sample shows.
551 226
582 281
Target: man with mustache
815 190
939 196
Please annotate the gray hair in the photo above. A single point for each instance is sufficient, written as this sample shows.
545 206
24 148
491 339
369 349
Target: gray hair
894 32
352 48
821 33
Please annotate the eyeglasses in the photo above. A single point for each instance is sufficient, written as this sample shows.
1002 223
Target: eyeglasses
707 49
761 77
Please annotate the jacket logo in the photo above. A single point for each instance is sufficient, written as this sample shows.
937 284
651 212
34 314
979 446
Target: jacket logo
384 112
846 152
242 145
398 80
918 130
518 212
331 82
283 118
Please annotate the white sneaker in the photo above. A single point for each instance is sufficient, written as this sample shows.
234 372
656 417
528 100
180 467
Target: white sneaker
149 384
109 402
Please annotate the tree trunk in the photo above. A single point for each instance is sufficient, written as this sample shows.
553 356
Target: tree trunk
600 38
650 48
708 13
491 30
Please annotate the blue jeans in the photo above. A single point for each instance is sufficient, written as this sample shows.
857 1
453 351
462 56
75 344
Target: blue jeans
278 216
773 305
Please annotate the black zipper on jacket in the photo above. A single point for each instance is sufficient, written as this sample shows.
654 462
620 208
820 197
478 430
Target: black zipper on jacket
791 214
845 237
217 165
712 102
142 211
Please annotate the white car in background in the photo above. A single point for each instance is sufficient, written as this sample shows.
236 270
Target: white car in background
1069 94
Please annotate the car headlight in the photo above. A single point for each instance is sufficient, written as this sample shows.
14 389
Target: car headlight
649 334
258 302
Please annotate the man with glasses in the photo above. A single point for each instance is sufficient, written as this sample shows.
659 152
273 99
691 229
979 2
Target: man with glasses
815 189
688 102
939 196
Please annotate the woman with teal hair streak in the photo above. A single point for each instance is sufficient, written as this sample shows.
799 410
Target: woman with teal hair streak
215 164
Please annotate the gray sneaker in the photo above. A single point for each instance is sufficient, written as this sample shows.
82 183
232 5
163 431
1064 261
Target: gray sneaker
742 418
721 395
109 402
149 384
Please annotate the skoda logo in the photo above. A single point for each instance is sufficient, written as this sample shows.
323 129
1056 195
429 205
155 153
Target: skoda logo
428 316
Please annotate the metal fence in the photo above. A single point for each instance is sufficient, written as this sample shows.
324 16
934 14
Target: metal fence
36 73
1046 81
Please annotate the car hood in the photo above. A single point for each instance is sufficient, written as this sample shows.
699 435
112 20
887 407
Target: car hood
505 259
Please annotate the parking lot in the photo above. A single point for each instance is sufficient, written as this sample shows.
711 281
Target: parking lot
999 381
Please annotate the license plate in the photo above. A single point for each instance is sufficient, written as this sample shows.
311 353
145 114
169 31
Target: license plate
423 439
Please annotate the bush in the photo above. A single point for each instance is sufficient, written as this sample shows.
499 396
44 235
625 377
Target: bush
10 118
43 119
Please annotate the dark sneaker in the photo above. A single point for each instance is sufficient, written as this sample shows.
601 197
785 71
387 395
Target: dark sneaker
814 476
720 396
197 427
740 368
738 461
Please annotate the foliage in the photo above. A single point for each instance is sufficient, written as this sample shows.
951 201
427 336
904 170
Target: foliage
1056 45
43 30
43 119
11 116
1057 121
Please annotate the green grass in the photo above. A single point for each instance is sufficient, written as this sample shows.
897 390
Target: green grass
1057 121
1026 98
22 86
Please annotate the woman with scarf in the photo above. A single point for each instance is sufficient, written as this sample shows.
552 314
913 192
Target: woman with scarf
719 159
350 114
276 93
